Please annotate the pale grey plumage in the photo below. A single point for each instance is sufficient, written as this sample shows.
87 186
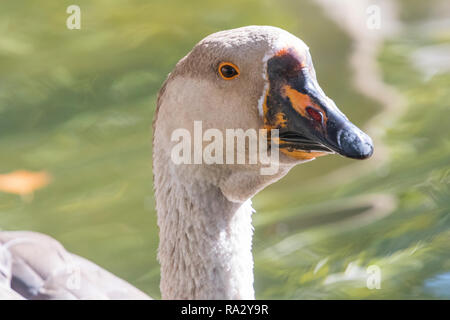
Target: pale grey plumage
37 266
6 292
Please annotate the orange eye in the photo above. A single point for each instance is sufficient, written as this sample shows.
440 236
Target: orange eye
228 70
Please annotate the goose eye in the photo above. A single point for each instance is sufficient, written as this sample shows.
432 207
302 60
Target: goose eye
228 71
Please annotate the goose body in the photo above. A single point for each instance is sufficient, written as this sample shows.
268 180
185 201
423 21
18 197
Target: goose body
250 78
36 266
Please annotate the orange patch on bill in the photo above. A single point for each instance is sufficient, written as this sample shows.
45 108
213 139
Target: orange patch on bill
294 53
282 52
301 101
302 155
280 120
23 182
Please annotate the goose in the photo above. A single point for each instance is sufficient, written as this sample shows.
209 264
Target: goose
249 78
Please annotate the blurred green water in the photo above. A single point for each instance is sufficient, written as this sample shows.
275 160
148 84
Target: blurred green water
79 104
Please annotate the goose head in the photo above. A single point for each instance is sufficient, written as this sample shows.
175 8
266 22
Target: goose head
255 77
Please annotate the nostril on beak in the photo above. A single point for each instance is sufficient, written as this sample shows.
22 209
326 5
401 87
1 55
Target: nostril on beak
354 143
315 114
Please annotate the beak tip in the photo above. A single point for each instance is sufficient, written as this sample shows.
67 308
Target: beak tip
367 151
355 144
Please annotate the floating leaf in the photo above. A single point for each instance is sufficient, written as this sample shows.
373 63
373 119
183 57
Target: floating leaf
23 182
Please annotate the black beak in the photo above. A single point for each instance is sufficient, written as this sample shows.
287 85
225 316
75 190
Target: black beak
348 140
311 122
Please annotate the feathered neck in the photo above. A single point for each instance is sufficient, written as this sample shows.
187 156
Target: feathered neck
205 240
